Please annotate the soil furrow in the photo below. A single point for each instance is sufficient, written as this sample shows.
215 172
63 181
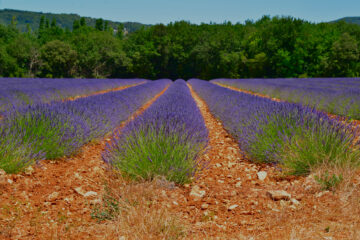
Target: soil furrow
54 200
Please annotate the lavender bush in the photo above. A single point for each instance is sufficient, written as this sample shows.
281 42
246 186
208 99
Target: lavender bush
339 96
297 137
16 92
60 128
164 141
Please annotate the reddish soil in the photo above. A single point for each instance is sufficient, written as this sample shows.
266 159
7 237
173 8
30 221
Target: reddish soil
54 200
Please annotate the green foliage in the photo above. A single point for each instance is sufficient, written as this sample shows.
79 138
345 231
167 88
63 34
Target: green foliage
63 20
270 47
328 182
147 153
313 147
12 158
59 59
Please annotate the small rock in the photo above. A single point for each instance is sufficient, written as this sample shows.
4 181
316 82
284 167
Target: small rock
10 181
231 164
220 181
80 191
262 175
95 201
2 172
69 199
196 193
233 193
175 203
218 165
204 206
53 196
278 195
187 185
29 170
294 201
238 184
90 194
232 207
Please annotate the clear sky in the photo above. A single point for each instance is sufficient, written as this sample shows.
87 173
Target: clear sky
196 11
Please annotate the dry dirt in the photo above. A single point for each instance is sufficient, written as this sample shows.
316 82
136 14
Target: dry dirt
225 201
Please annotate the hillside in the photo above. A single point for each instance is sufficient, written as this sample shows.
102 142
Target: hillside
355 20
64 20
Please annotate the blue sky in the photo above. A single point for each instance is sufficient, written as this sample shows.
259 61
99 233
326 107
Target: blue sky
196 11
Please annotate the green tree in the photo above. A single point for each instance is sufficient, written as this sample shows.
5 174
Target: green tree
99 25
58 60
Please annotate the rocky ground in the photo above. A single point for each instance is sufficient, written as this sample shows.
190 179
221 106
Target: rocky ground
80 198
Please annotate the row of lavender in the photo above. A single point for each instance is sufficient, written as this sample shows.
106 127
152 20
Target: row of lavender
16 92
339 96
164 141
59 129
292 135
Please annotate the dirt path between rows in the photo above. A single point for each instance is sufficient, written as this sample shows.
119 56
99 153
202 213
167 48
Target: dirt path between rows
229 201
55 200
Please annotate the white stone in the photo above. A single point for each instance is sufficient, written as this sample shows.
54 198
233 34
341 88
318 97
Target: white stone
238 184
90 194
278 195
294 201
204 206
196 193
232 207
262 175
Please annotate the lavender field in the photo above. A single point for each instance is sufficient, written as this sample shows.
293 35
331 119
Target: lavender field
170 136
340 96
16 92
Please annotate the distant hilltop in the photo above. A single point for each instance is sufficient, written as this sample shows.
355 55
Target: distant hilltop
24 18
354 20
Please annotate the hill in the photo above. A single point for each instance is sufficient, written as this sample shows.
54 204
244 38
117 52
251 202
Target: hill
64 20
355 20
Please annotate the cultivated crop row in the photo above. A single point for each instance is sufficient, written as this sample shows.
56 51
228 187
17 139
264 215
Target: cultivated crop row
292 135
60 128
164 141
332 95
24 91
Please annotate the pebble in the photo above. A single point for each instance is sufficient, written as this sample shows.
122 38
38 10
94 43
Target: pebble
196 193
262 175
204 206
232 207
90 194
278 195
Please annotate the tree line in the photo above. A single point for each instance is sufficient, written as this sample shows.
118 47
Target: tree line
267 48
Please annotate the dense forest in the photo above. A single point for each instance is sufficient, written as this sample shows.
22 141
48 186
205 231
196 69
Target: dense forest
28 19
269 47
